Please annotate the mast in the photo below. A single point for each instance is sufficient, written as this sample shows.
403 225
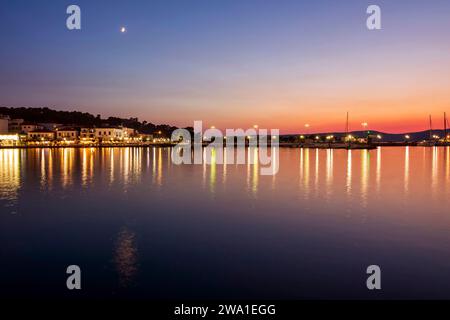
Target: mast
346 127
445 127
431 129
347 133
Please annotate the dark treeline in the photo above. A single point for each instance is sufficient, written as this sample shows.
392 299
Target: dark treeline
76 118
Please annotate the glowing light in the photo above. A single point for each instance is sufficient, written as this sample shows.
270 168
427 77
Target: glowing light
9 137
407 136
123 29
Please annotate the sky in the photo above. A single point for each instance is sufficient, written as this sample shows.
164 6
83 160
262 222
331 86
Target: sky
232 63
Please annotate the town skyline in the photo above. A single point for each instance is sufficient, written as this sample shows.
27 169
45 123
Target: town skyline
75 118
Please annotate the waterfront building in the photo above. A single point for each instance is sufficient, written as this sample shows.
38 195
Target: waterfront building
41 135
27 127
14 125
110 134
67 134
9 140
87 134
129 132
145 137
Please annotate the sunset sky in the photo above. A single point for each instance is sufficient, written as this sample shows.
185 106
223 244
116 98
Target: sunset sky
232 63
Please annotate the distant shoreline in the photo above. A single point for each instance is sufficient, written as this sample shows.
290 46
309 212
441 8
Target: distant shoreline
281 145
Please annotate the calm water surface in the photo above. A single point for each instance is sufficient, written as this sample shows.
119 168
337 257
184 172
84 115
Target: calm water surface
142 227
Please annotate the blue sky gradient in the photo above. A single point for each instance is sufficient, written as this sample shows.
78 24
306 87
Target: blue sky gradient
229 62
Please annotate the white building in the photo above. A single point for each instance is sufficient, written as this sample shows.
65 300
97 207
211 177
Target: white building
129 132
42 135
9 140
67 133
28 127
110 134
14 125
87 133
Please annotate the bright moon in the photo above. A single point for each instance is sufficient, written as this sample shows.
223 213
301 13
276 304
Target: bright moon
123 29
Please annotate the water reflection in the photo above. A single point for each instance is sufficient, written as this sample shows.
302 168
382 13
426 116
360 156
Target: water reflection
157 166
305 171
406 182
378 176
330 174
316 174
87 166
224 170
126 257
10 178
212 171
349 173
447 165
365 171
409 208
111 167
66 166
252 170
44 179
434 169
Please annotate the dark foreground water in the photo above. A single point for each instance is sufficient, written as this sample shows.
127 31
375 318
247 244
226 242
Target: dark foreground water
142 227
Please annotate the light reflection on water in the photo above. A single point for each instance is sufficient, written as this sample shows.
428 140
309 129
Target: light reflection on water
352 206
10 173
330 173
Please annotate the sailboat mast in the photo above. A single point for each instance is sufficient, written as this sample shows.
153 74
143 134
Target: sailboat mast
347 133
431 129
346 127
445 126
